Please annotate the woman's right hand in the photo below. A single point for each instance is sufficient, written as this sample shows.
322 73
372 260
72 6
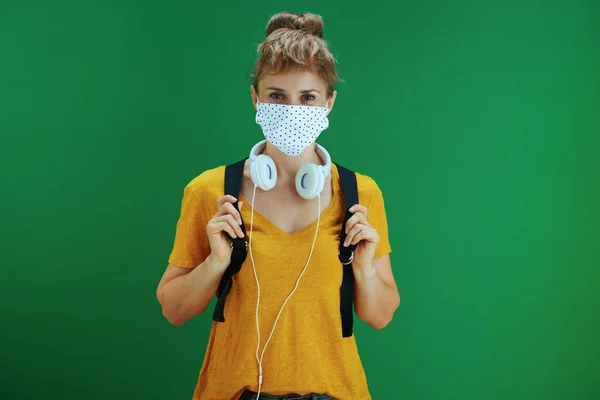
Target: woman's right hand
226 222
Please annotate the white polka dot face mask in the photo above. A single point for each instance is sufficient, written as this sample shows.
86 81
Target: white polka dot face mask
291 128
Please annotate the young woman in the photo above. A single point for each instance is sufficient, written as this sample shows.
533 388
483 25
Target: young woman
282 335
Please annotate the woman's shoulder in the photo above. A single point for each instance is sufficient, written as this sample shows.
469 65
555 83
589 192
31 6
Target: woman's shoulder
209 183
369 193
367 186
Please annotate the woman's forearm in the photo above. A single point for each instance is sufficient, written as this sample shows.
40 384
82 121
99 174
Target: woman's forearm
188 295
374 300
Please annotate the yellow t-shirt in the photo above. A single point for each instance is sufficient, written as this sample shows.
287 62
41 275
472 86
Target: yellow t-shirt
307 353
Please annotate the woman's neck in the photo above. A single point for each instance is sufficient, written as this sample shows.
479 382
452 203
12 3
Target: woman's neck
288 166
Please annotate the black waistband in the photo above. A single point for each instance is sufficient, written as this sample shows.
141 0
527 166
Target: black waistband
250 395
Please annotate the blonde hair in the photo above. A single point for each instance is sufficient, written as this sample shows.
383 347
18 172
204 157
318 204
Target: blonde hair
295 40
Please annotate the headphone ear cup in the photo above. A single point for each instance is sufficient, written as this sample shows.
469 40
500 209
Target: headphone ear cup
309 181
263 172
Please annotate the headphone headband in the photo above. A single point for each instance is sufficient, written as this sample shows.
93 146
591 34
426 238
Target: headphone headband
257 149
324 154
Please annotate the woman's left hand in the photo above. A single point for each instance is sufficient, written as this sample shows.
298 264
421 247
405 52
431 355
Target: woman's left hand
359 231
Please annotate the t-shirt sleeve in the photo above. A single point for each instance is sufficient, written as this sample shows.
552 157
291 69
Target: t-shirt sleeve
191 246
376 216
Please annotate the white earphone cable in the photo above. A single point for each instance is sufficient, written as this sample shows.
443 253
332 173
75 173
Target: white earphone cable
258 292
259 360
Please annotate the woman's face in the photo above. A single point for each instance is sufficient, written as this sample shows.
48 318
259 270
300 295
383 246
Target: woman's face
297 87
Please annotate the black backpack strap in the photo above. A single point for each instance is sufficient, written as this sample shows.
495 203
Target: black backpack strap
346 254
233 182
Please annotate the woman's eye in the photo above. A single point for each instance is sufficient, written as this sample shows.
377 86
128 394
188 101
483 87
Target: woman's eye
276 96
309 97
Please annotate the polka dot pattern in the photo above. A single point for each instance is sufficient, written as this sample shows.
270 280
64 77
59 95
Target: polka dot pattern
291 128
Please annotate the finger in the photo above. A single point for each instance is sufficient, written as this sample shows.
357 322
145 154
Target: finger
359 208
225 199
232 222
235 225
222 226
228 208
353 232
353 220
366 234
357 218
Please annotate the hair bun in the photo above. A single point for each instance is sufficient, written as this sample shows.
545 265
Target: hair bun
308 22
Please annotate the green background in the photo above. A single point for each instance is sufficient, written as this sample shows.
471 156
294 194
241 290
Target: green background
479 120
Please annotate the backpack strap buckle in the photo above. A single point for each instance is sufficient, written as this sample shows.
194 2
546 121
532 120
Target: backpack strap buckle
346 258
236 245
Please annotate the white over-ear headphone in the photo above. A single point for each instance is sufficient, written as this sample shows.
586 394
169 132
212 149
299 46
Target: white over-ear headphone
310 178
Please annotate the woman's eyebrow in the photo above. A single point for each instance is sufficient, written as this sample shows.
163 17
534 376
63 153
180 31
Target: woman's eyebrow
276 89
283 90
